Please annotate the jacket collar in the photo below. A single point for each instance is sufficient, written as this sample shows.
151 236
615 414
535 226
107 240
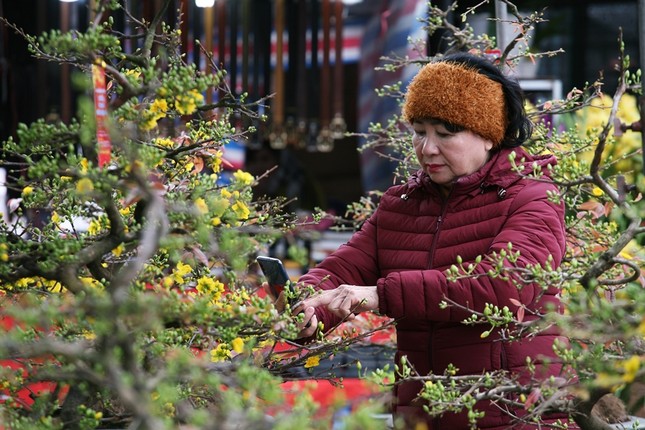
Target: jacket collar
498 172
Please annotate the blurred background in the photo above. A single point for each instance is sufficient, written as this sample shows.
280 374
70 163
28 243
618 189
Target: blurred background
319 58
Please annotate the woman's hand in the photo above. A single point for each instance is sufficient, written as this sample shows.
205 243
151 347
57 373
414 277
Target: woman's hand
279 302
346 301
309 323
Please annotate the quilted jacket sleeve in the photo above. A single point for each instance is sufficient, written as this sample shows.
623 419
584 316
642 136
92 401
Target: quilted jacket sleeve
353 263
535 227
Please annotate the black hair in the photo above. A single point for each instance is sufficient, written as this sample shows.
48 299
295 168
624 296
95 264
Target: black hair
519 126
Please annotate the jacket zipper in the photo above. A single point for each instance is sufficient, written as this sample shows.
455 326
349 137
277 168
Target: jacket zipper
436 422
503 359
437 229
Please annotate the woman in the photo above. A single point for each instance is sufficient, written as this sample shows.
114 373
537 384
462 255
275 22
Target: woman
467 201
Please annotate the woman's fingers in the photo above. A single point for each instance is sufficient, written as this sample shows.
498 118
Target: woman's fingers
342 301
322 298
309 323
279 302
346 307
267 290
345 302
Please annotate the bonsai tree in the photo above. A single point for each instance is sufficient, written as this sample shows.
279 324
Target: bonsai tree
128 284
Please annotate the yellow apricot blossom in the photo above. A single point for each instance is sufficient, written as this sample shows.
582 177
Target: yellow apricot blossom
132 73
240 296
89 335
168 282
27 190
633 250
118 250
206 285
180 272
4 255
241 210
188 167
164 142
94 227
186 104
312 361
169 409
23 282
631 367
595 116
159 107
147 123
135 165
53 286
605 380
84 186
238 345
216 161
219 206
220 353
55 218
244 178
201 206
183 269
91 282
126 211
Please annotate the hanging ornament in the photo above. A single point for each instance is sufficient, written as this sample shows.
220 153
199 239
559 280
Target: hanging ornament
253 141
292 132
300 62
325 142
338 125
312 136
221 40
208 35
234 7
313 79
245 44
302 134
278 135
296 133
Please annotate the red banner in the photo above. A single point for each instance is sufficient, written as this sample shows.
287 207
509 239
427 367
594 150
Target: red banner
100 108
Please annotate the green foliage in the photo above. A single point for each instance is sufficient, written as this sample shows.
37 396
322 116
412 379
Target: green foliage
129 287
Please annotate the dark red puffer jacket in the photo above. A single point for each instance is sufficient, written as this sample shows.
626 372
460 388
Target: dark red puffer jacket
415 235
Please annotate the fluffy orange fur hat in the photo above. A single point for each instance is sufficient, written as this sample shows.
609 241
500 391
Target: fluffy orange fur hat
459 95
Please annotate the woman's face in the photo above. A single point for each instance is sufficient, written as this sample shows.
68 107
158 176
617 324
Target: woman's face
446 155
